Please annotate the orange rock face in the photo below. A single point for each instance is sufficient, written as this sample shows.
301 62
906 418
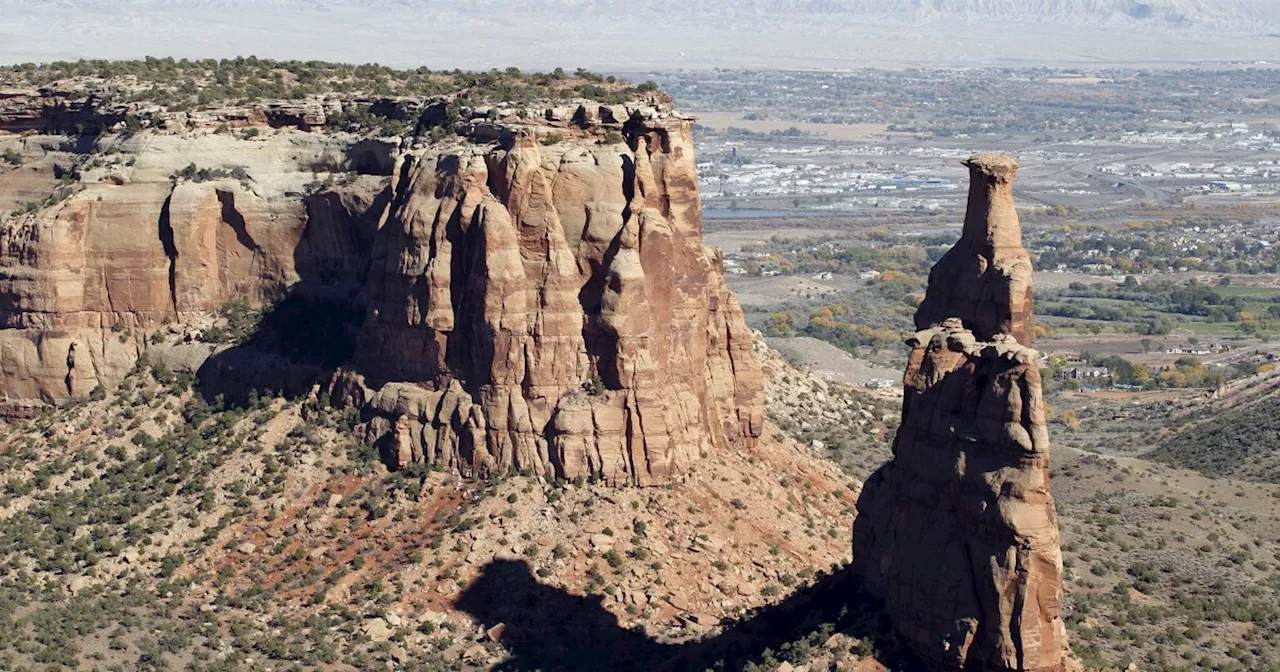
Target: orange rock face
536 294
82 284
958 533
550 307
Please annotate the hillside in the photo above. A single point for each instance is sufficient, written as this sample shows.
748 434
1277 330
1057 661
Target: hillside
150 530
1236 434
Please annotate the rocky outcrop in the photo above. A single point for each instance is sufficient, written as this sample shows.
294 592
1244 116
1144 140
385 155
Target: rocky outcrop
92 106
957 534
69 109
547 305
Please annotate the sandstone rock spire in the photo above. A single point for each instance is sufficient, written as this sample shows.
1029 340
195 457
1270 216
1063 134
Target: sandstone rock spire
958 533
985 280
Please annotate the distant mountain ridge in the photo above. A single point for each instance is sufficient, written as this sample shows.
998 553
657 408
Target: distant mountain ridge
649 35
1208 15
1205 14
1157 13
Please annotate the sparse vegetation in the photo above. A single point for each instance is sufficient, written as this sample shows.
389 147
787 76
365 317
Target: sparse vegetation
179 498
1241 443
194 174
183 85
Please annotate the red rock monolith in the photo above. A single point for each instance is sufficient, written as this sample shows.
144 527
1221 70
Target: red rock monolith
957 534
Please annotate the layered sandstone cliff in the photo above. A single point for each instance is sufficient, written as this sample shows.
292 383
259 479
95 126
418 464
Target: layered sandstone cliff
95 105
534 288
85 281
545 305
957 534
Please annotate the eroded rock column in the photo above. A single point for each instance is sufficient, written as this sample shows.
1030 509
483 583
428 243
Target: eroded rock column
957 534
985 279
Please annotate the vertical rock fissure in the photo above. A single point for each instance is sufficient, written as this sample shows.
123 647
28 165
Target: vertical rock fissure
1019 604
170 250
71 367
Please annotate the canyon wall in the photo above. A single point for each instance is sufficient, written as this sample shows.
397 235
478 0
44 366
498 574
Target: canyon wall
137 248
957 534
530 292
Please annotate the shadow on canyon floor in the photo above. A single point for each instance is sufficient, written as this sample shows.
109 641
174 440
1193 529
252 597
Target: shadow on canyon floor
550 629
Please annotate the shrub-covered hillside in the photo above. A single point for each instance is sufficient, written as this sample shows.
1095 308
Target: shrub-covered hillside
1240 443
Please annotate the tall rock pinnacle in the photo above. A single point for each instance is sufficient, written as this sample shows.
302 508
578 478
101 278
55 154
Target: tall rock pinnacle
957 534
985 280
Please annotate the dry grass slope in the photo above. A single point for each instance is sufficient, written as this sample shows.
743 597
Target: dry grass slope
147 528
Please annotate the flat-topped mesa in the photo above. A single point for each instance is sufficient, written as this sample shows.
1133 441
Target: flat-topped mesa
958 533
985 279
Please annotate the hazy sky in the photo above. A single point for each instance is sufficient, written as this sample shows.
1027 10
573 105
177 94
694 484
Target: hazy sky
649 34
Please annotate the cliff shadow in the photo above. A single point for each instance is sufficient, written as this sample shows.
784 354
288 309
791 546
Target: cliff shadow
306 331
300 341
547 628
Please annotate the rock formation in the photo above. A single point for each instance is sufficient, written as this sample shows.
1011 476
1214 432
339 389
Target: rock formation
985 279
549 306
85 281
535 289
75 106
957 534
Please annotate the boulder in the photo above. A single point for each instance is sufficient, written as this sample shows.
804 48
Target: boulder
377 630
